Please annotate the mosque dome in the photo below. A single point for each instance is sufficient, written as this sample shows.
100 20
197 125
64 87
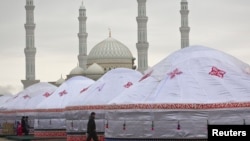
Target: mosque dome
110 48
76 71
111 53
95 69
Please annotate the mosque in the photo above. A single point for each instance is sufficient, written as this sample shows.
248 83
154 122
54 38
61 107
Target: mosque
176 99
107 54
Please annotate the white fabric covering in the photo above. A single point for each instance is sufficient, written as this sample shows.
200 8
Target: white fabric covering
187 78
52 118
29 97
65 93
109 86
4 99
23 103
193 84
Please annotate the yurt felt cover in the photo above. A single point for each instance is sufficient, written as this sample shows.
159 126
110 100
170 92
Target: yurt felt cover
3 100
197 86
24 102
109 86
30 97
51 111
93 98
195 74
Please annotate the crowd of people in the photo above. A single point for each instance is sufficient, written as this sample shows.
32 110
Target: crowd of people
23 127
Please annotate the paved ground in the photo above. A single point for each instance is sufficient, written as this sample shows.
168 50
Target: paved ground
3 139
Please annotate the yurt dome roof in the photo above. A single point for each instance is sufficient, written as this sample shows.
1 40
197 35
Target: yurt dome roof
195 74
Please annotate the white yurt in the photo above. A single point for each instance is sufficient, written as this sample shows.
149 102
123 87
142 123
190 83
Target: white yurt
51 117
23 103
197 86
3 99
93 99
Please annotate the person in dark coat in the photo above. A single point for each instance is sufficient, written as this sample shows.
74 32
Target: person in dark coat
27 126
23 124
91 129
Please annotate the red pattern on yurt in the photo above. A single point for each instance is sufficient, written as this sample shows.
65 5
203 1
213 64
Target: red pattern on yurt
162 106
142 106
82 137
174 73
62 92
50 134
107 125
84 89
217 72
47 94
146 75
26 96
100 87
128 84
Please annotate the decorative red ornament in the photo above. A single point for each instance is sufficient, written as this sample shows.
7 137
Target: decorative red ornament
100 87
107 124
152 127
62 92
26 96
217 72
146 75
128 84
46 94
83 90
124 125
174 73
178 126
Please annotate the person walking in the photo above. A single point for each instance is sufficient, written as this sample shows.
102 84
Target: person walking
26 126
91 128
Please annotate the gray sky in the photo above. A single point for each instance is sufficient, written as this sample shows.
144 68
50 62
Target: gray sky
219 24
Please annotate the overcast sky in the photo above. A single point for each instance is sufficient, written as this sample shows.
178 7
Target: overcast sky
219 24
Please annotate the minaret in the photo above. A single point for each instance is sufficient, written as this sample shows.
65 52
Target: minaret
184 29
82 35
142 44
30 50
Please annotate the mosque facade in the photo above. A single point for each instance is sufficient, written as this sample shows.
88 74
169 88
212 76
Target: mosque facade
107 54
